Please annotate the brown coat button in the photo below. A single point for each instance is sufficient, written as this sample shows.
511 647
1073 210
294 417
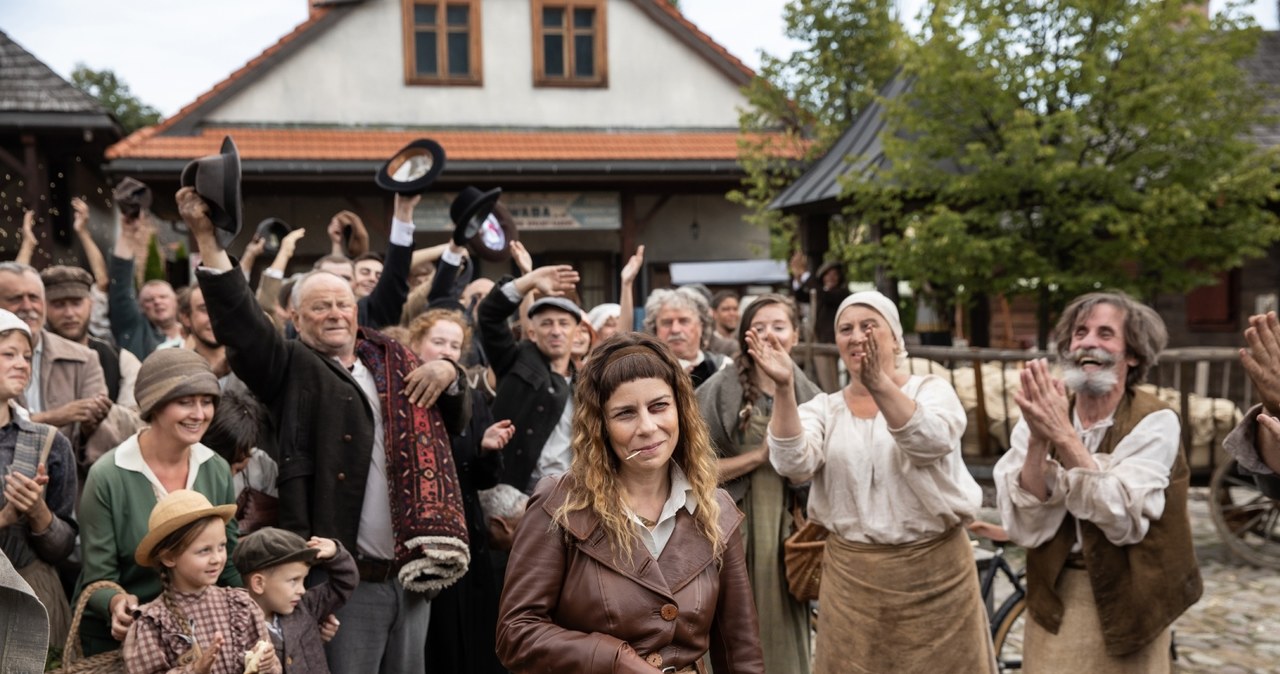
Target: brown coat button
654 659
342 476
669 612
288 661
346 438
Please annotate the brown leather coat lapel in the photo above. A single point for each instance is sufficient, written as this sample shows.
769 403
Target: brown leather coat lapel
690 552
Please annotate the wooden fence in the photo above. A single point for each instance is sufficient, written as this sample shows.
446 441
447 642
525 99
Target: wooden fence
1206 385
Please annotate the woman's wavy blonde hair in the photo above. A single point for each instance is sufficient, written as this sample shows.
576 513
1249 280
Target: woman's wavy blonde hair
620 359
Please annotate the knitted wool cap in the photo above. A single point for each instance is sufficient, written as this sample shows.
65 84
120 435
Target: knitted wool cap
172 373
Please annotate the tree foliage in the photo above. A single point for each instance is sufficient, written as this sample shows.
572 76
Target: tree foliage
800 104
155 261
1057 146
114 95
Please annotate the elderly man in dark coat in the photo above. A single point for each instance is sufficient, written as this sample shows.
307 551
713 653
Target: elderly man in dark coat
363 448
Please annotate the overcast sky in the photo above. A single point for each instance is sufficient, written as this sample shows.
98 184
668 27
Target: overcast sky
171 51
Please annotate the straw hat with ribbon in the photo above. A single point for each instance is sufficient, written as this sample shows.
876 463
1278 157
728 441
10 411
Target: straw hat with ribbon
176 510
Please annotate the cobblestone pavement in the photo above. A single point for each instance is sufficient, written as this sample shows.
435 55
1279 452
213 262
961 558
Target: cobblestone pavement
1235 627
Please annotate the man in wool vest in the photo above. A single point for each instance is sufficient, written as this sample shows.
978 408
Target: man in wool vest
1095 487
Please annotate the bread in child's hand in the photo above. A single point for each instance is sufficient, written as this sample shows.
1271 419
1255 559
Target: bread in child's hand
253 657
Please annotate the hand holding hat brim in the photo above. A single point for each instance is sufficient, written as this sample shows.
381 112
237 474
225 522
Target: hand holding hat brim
216 178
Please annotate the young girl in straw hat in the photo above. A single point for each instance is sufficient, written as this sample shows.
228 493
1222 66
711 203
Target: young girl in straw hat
194 625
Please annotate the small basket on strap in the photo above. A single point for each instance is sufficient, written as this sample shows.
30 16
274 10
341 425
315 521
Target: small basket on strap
73 659
802 557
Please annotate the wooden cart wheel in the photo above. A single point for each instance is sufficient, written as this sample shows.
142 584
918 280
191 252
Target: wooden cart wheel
1247 521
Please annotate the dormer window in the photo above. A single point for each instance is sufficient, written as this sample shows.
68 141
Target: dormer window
569 43
442 42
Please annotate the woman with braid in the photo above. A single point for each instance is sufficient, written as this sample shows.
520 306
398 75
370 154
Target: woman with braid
195 626
737 403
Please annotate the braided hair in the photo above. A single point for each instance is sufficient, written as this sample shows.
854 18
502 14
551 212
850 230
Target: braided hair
745 363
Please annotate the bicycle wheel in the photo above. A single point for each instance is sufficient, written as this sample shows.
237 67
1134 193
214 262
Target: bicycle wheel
1007 635
1247 521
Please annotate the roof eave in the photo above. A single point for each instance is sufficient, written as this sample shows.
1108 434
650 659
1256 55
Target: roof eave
190 117
678 25
24 120
303 169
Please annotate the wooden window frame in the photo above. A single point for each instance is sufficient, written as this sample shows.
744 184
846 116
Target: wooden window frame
601 79
1224 294
411 77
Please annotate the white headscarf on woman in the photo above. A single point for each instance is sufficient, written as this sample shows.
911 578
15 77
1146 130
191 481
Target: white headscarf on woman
886 308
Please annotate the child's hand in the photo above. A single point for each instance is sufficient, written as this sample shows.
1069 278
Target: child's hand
326 546
205 664
261 658
329 628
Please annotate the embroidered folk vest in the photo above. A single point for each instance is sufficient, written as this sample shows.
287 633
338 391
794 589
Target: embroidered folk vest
1139 589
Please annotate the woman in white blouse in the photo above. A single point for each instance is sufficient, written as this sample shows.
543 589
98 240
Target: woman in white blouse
899 592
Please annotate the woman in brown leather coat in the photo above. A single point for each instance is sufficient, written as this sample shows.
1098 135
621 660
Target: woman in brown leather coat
632 562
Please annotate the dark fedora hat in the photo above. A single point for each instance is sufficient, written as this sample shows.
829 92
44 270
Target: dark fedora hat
469 211
493 242
132 197
413 168
273 230
216 178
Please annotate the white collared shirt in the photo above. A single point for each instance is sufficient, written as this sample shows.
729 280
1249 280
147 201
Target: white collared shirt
375 536
557 451
129 457
656 539
1122 496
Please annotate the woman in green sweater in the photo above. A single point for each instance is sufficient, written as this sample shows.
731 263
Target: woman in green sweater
176 393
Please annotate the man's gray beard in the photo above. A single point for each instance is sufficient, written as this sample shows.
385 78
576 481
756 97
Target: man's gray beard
1095 384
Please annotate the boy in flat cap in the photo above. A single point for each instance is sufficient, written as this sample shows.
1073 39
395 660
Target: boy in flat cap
274 563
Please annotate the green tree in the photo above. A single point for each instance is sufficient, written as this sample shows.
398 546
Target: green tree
114 95
800 104
155 261
1052 147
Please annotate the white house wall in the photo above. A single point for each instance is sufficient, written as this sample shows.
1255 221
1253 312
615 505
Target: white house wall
353 74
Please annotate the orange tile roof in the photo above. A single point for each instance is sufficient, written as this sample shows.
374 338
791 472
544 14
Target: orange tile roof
347 144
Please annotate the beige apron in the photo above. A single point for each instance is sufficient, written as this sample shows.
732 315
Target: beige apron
1078 646
902 608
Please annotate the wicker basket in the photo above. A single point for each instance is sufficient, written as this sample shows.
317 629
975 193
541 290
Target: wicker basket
802 557
73 660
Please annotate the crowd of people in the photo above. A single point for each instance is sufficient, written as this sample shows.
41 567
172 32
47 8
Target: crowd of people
390 464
